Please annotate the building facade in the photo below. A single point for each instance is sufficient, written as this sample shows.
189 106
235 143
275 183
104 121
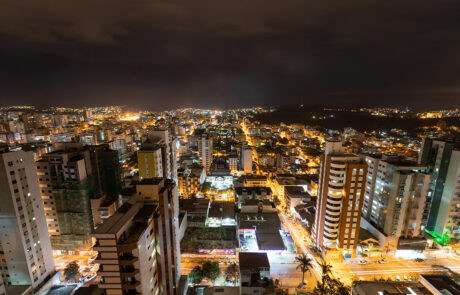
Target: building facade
397 200
138 246
205 151
442 158
26 254
340 199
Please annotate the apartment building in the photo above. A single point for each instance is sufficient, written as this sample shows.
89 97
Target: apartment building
397 199
164 192
26 257
340 199
138 246
190 180
246 158
67 187
157 156
205 151
442 158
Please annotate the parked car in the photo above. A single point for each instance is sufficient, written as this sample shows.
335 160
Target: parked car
362 261
382 261
419 259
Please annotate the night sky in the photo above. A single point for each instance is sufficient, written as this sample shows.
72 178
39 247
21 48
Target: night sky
197 53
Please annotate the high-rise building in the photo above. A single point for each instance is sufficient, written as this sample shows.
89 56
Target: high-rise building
442 158
67 183
246 158
105 163
164 192
205 151
150 160
397 198
138 246
233 161
157 156
26 257
2 287
340 199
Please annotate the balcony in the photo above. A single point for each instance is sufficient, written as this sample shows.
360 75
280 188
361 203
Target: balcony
99 248
101 260
128 271
131 285
127 246
130 242
127 259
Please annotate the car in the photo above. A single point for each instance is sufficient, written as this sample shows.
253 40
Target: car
362 261
382 261
398 278
418 259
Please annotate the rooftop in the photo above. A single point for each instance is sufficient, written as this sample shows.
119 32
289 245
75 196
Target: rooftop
390 288
151 181
130 211
251 260
250 190
441 282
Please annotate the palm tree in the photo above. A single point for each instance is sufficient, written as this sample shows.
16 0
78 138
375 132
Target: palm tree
326 270
320 289
304 264
324 287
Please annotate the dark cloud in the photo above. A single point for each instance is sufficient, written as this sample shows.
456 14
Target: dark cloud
166 54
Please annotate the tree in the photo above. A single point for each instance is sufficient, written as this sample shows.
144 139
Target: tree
326 270
304 264
328 285
231 273
71 271
196 275
211 270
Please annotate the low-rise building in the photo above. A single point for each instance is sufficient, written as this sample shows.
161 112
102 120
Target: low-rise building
255 273
252 193
393 288
296 195
221 214
255 180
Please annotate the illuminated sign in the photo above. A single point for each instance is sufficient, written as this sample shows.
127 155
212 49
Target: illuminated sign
217 251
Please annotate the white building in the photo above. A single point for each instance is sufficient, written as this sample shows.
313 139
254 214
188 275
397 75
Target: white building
27 257
205 151
246 159
397 199
442 158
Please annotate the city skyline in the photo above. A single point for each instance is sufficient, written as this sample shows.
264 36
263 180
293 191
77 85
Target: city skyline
229 147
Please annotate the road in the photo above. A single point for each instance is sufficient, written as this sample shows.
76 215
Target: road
351 270
396 267
297 234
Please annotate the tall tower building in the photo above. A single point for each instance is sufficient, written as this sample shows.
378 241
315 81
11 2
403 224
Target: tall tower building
397 198
205 151
246 158
157 156
442 158
138 245
2 287
67 183
26 254
164 192
340 199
